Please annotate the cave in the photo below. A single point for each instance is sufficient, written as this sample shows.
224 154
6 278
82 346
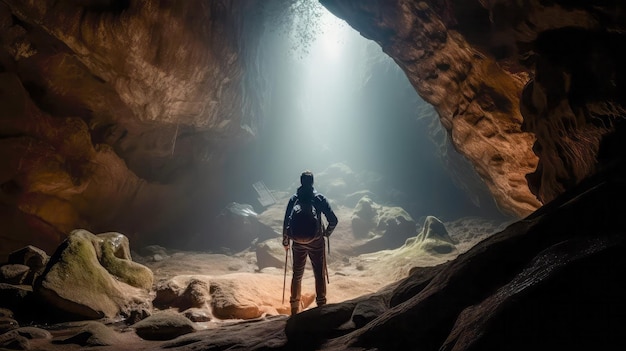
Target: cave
471 150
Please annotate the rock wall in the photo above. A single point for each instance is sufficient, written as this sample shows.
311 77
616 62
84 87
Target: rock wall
486 64
116 115
119 115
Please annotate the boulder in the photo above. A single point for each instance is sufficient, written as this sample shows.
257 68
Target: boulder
77 285
237 227
383 227
118 244
14 274
197 315
270 253
33 257
396 225
195 295
13 296
230 302
92 334
364 217
19 339
167 293
29 256
116 260
183 292
6 313
7 324
433 238
249 295
163 326
337 181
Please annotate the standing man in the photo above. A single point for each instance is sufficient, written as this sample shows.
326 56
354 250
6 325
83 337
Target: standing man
303 225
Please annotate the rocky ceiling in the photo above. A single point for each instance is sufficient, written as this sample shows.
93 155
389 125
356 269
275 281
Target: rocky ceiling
118 115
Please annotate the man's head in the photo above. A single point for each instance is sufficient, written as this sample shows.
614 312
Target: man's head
306 178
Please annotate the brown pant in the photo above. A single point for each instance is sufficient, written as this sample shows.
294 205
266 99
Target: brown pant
315 251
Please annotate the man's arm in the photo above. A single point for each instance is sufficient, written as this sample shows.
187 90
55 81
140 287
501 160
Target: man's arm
330 216
292 200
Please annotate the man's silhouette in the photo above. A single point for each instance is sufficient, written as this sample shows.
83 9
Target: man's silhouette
306 195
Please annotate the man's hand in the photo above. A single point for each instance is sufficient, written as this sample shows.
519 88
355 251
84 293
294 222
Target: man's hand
286 244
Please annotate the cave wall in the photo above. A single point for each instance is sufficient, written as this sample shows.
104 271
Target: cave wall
531 92
117 115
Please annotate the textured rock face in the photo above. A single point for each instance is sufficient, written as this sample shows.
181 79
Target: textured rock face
84 278
476 98
482 62
107 106
119 115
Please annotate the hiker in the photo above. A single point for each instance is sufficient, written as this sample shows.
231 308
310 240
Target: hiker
303 225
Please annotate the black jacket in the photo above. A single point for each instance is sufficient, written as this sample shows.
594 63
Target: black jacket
321 205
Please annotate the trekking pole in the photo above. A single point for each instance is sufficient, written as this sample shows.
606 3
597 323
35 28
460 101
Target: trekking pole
285 278
325 261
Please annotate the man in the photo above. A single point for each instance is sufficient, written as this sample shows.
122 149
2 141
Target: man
313 248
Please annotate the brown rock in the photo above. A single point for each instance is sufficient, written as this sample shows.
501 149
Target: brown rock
13 274
92 334
270 253
30 256
76 283
163 326
7 324
197 315
195 295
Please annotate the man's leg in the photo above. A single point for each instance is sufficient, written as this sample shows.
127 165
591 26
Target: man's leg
299 261
316 254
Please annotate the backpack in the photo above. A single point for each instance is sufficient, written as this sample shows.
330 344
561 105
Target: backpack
304 222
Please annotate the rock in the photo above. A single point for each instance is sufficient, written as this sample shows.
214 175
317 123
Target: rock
351 200
396 225
15 343
367 310
433 238
13 273
32 257
116 260
33 333
92 334
306 328
6 313
167 292
364 217
7 324
384 227
195 295
29 256
18 339
13 296
163 326
336 181
118 244
136 314
227 302
248 295
197 315
76 284
270 253
237 227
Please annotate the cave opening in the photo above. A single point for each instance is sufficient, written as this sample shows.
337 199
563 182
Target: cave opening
334 99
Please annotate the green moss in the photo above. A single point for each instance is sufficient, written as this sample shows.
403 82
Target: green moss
129 272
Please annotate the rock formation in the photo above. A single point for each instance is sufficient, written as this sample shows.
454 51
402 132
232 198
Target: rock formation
85 280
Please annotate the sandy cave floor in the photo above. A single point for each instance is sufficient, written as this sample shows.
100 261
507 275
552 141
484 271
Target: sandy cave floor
350 276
